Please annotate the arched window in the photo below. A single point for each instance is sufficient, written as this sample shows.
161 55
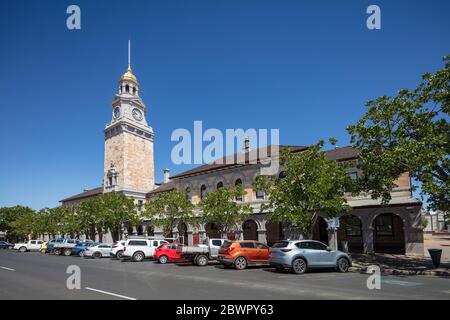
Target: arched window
282 175
127 89
134 90
238 183
202 191
220 185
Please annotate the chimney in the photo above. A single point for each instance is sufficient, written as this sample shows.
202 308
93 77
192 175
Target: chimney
166 175
246 144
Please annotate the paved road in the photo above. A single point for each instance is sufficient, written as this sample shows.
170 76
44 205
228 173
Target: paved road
39 276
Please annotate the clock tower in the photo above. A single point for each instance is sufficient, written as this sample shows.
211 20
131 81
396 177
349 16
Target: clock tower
129 164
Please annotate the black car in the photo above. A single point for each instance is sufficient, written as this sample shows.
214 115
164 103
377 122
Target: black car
6 245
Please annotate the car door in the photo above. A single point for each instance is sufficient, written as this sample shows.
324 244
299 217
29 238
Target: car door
323 255
105 249
215 247
263 252
308 251
250 251
32 245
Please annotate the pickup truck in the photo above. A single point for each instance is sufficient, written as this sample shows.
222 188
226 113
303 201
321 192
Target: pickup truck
32 245
138 249
201 254
64 247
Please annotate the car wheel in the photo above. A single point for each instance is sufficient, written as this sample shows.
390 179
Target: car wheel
119 254
81 253
57 252
138 256
240 263
23 249
342 265
162 259
299 266
67 252
202 260
97 255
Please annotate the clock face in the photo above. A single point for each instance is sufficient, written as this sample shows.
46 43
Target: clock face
116 112
137 114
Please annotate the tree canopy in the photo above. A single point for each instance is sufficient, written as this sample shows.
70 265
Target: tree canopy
408 132
310 184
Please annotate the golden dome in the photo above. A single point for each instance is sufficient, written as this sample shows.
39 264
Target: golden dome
129 76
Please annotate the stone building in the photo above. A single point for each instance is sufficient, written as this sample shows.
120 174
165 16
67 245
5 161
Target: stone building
368 227
129 169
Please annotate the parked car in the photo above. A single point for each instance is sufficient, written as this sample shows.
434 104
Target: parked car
168 252
301 255
43 247
140 249
6 245
32 245
98 251
243 253
64 247
117 249
51 244
80 248
200 254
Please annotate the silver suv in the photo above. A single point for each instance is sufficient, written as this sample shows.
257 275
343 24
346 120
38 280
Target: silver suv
300 255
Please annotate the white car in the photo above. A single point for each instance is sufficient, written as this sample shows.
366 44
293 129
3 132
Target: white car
117 249
99 251
32 245
140 249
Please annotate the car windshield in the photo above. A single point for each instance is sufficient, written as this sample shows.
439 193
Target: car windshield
281 244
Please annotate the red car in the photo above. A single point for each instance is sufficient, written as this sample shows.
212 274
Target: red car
167 252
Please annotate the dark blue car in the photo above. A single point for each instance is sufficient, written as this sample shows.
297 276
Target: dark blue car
80 247
6 245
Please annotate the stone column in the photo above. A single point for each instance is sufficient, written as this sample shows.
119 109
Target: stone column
332 238
190 238
368 241
159 232
201 235
134 230
145 230
262 235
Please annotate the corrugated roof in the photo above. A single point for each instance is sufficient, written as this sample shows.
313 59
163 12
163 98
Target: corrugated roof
85 194
232 161
164 187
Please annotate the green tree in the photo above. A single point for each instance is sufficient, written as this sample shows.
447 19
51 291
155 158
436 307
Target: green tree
8 215
408 132
220 207
169 210
116 211
26 225
311 184
89 215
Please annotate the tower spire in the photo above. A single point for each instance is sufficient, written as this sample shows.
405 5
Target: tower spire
129 54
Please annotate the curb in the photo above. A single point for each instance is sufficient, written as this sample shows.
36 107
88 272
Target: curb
426 272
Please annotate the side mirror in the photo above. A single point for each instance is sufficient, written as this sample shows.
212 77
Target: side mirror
328 249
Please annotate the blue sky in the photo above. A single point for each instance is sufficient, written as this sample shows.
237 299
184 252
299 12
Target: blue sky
304 67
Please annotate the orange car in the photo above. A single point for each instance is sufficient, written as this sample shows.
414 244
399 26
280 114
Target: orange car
241 254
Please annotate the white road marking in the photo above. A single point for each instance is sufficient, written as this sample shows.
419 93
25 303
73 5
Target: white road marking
401 283
9 269
110 293
446 291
